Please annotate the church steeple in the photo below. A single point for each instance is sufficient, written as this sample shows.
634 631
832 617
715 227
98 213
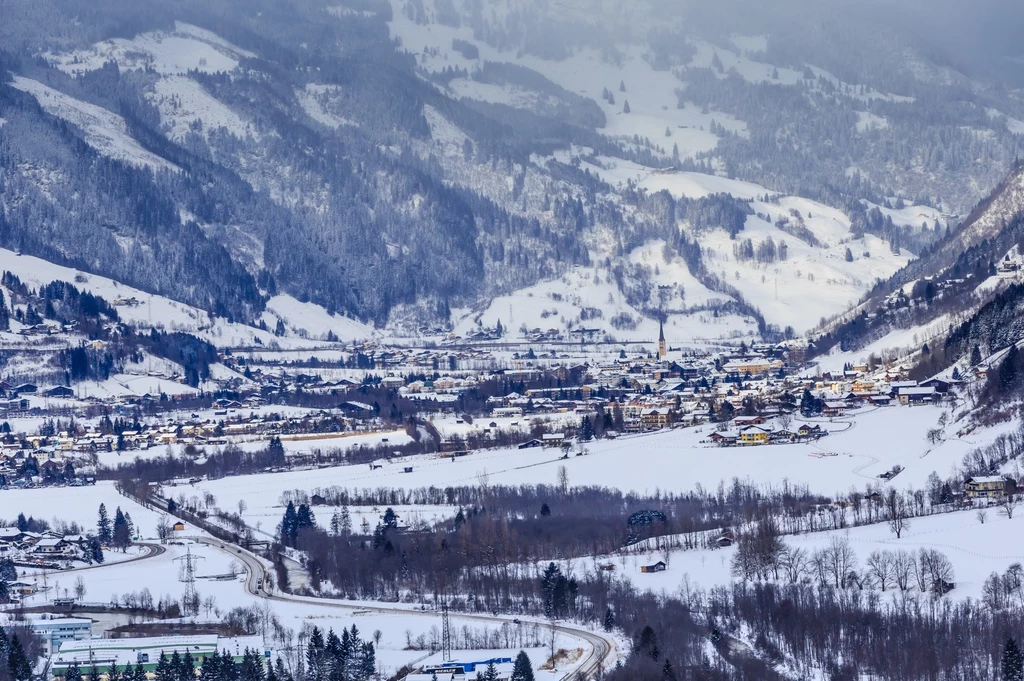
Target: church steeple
661 340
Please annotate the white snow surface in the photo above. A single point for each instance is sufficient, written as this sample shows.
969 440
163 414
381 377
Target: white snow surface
313 320
675 461
103 130
185 106
185 48
156 310
975 551
650 93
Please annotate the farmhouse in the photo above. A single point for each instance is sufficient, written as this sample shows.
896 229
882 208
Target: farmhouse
916 395
837 408
988 487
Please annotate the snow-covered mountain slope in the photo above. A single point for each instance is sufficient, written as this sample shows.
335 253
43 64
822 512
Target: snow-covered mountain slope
394 165
174 52
303 321
103 130
993 214
590 298
651 94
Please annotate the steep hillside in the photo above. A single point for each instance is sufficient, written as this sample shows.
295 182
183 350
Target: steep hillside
414 164
959 294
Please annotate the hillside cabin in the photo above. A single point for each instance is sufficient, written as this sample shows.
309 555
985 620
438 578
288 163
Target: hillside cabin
660 566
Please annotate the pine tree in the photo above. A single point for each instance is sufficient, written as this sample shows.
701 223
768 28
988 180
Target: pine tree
103 526
346 522
289 525
280 671
187 669
122 537
1012 662
1007 375
163 671
72 673
609 619
95 550
114 673
315 663
522 669
252 667
5 315
490 673
210 671
94 673
20 667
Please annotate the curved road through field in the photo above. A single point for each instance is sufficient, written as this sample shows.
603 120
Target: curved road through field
602 653
153 551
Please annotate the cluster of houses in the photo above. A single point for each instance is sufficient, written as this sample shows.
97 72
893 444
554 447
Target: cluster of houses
50 550
756 430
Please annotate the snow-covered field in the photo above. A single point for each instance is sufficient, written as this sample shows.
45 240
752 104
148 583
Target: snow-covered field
75 504
676 461
975 550
162 576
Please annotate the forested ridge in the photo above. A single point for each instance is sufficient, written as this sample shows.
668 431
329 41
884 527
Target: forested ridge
332 188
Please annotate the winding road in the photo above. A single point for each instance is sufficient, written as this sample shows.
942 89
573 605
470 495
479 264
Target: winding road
603 649
153 551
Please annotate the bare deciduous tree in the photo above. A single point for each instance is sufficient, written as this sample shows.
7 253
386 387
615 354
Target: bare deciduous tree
896 513
563 479
1008 505
880 568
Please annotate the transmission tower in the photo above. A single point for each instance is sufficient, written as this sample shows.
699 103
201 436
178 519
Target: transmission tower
446 634
190 601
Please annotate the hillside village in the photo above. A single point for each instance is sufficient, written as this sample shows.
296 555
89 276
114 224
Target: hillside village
377 393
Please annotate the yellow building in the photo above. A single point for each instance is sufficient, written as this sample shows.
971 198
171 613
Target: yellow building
752 435
987 487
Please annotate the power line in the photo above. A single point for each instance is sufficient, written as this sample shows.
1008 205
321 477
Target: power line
190 601
446 633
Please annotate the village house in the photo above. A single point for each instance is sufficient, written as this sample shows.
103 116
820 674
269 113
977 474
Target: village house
988 487
916 395
655 419
754 435
835 408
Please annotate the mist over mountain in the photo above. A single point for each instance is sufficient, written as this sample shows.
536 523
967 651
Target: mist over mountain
417 163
